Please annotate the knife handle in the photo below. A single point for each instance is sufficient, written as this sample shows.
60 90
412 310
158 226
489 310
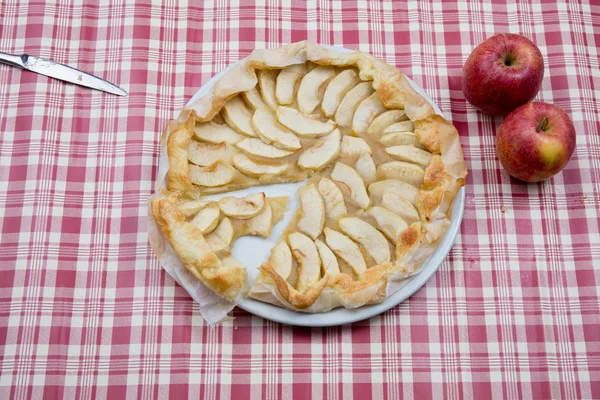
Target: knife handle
12 60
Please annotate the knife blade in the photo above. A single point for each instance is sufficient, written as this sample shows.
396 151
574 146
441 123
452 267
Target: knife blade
60 71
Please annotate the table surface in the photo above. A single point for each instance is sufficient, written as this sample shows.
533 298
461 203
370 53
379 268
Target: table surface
86 311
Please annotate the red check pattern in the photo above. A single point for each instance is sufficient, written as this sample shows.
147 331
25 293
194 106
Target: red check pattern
87 312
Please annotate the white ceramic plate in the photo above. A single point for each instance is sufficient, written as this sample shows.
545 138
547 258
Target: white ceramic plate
254 251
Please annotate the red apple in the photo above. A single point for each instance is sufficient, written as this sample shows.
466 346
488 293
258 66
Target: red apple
502 73
535 141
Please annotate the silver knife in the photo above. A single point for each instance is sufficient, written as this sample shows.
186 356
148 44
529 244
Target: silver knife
60 71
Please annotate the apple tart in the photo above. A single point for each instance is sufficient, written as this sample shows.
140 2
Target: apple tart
381 171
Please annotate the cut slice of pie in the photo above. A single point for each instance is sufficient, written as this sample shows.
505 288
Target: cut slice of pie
381 170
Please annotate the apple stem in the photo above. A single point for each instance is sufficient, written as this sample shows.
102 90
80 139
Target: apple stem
542 125
508 59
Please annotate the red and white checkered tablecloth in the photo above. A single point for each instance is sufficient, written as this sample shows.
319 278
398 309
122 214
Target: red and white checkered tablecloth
87 312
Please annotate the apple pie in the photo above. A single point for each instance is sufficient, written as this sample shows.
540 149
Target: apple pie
381 170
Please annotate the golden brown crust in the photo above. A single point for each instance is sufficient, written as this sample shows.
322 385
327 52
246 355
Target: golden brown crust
434 184
177 149
194 252
298 300
395 91
442 136
428 132
435 174
408 240
440 185
344 283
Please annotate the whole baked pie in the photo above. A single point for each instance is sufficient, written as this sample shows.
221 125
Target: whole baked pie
381 170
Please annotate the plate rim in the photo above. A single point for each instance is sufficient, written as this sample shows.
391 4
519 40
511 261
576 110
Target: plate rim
347 316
